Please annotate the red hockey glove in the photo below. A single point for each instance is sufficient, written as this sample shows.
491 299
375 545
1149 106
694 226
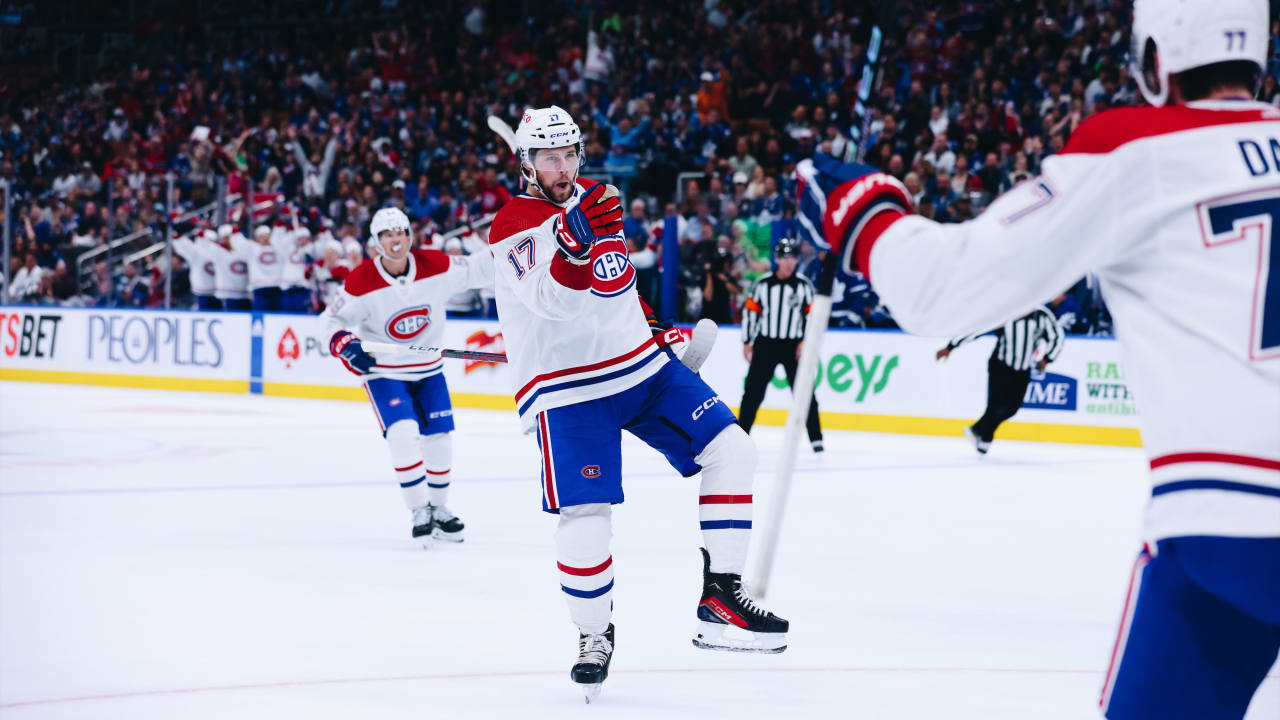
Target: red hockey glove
860 202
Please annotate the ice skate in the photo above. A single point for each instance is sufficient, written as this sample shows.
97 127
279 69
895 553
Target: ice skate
592 668
423 525
982 446
730 620
447 526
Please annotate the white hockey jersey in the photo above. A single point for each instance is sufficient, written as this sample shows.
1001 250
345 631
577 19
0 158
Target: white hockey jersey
230 273
405 309
293 258
572 332
1177 209
264 260
199 265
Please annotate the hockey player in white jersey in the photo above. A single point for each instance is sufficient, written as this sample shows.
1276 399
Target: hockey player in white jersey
200 271
587 367
230 272
265 266
399 297
1176 207
295 247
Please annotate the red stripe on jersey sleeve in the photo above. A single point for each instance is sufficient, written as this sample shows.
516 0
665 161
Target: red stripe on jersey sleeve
574 277
866 240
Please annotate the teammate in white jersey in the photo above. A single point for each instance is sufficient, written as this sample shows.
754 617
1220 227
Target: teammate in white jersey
1176 207
199 271
295 248
265 266
587 367
230 273
399 296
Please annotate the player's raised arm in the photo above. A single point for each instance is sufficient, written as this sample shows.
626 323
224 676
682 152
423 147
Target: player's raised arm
468 272
1033 242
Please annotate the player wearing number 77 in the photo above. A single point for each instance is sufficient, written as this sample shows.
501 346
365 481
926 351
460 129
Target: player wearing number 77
1176 207
586 367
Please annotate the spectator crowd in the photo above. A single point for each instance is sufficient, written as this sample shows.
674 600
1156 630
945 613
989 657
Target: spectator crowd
695 110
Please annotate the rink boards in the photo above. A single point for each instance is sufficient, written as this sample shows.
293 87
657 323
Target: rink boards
875 381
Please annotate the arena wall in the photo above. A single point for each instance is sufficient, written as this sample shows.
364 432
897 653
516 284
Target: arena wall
875 381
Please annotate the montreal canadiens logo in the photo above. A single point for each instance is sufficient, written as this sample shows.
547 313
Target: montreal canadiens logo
239 267
611 269
407 324
208 268
267 258
591 471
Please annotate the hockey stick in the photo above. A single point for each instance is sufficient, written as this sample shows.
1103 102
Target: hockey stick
807 372
381 348
504 131
802 394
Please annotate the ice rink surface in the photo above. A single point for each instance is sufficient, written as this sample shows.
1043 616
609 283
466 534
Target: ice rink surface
172 555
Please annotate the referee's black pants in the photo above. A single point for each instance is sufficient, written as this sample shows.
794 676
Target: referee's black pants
1005 389
766 355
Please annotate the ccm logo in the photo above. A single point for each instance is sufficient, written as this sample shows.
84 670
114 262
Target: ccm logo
710 403
591 471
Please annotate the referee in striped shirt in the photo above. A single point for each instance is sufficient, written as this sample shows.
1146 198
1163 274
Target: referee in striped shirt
773 322
1018 343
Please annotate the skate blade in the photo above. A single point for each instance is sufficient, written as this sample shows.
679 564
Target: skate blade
590 691
715 636
447 537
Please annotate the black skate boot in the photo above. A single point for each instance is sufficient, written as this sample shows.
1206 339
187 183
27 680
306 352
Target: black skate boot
730 620
594 654
447 525
423 525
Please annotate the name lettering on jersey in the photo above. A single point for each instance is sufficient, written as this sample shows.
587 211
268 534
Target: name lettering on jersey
1260 156
705 406
409 323
611 270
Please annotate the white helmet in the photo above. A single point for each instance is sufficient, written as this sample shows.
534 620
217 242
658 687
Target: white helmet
1170 36
388 218
261 230
540 128
224 230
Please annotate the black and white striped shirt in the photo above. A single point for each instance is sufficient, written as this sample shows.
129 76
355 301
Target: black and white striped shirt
777 309
1020 340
